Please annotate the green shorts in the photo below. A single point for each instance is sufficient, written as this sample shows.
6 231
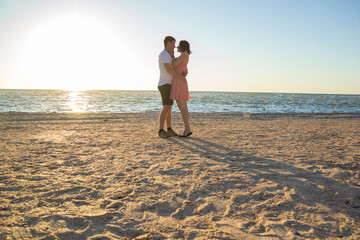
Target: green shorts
165 91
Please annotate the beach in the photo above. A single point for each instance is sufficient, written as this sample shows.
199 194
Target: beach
239 176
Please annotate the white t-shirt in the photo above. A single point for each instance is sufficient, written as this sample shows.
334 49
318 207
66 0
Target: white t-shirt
165 77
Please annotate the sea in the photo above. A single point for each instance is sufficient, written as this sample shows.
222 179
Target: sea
113 101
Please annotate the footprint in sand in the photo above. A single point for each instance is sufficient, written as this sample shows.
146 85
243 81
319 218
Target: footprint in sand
184 211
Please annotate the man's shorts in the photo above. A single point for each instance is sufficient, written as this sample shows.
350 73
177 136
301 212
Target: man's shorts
165 91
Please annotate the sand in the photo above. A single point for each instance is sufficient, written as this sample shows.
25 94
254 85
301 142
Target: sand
239 176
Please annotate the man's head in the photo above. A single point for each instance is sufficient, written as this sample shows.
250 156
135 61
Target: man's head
169 43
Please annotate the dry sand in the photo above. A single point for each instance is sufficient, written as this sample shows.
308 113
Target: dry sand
239 176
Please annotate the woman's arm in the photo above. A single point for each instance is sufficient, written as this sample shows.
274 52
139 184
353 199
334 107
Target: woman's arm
182 58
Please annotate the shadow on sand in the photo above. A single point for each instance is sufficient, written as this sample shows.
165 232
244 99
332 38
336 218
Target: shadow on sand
309 186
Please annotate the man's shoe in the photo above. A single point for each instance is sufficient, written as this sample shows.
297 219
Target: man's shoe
172 133
163 134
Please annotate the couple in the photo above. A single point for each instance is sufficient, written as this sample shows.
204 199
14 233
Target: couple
173 85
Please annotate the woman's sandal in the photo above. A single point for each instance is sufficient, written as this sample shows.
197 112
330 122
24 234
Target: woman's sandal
186 135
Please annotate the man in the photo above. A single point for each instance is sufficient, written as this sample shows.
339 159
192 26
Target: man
166 75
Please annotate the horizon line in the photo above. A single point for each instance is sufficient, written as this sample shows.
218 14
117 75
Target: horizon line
84 90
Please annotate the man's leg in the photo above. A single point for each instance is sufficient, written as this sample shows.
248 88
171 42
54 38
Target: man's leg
168 117
164 116
170 131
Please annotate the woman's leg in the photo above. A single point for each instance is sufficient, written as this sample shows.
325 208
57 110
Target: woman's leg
185 115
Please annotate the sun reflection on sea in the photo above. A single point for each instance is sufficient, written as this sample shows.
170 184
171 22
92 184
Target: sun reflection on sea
77 103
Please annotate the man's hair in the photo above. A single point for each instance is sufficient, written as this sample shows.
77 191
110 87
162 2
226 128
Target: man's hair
168 39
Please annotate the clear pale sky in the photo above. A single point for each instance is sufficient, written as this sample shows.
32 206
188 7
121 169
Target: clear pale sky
302 46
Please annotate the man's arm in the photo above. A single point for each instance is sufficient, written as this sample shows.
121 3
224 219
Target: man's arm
170 70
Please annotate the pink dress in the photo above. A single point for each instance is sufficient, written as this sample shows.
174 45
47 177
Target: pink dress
179 88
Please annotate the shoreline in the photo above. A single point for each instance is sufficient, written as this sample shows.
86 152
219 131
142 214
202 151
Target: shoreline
195 114
239 176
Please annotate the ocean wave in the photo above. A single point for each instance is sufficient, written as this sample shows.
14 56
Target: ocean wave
150 101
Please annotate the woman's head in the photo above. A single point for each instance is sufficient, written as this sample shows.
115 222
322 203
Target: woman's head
184 46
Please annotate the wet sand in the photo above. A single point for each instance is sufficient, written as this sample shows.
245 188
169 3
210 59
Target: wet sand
239 176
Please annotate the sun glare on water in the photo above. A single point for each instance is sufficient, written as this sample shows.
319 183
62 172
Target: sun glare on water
73 52
77 103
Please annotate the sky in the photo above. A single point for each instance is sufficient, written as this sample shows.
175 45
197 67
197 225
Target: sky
292 46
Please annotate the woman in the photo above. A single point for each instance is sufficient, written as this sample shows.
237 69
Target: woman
179 87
